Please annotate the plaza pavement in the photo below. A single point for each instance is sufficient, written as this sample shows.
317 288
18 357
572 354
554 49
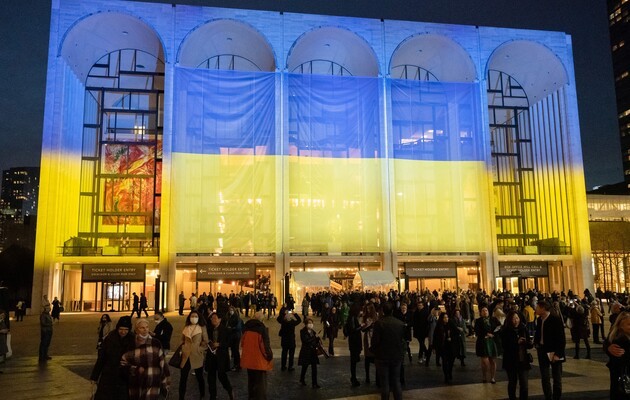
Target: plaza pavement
73 352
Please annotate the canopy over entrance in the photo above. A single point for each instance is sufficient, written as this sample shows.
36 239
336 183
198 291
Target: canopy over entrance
312 279
374 280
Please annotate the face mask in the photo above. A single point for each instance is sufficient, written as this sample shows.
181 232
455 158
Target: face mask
310 326
194 320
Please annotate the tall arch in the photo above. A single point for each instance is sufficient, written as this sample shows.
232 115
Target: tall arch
96 35
120 59
227 44
528 140
432 57
332 51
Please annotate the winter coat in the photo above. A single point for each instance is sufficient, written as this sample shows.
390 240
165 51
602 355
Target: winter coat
515 354
220 358
287 330
111 377
308 350
147 370
580 328
256 351
194 348
353 328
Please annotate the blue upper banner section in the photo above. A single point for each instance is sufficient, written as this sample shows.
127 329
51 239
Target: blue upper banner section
224 112
436 121
334 116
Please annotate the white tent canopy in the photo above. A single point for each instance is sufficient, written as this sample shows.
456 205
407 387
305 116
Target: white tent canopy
374 280
311 279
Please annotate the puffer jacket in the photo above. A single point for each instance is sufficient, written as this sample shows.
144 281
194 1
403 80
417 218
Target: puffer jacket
256 351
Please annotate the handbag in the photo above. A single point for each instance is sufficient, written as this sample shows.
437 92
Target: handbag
176 359
624 383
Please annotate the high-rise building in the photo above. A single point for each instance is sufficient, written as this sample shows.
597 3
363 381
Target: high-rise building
20 188
194 149
18 206
619 20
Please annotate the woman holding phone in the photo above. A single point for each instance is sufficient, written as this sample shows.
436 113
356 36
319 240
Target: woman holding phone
516 360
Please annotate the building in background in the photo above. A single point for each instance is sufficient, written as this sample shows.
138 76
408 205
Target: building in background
619 20
18 206
210 149
609 222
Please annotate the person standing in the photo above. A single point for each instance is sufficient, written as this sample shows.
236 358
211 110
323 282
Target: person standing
217 358
331 326
193 302
444 342
56 309
288 321
4 331
256 358
106 374
194 345
388 346
515 340
597 319
20 310
46 329
421 329
146 365
459 340
353 330
136 305
580 330
143 305
550 344
617 348
104 327
486 344
234 325
308 352
163 331
182 301
305 304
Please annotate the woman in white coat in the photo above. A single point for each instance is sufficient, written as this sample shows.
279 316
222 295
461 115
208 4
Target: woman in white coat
194 345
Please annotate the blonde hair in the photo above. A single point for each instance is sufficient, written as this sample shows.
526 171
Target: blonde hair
614 330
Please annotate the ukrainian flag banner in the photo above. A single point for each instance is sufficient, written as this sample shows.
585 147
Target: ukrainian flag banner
440 179
223 189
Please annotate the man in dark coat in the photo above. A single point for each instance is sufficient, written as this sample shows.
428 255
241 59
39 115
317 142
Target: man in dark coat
421 329
388 346
107 372
143 305
163 331
550 343
355 343
288 321
218 358
136 305
182 300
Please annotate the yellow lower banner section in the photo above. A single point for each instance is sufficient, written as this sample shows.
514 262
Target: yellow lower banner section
441 206
336 205
231 204
223 203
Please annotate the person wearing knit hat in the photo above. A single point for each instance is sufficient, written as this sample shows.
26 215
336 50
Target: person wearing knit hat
106 374
124 322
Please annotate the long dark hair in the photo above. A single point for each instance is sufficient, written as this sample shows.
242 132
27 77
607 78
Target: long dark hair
201 322
508 320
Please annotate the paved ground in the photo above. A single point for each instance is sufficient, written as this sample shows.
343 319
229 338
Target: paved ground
73 351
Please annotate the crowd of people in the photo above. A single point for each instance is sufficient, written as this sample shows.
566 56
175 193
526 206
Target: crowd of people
376 326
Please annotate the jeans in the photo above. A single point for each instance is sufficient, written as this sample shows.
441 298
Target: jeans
550 370
388 373
520 376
